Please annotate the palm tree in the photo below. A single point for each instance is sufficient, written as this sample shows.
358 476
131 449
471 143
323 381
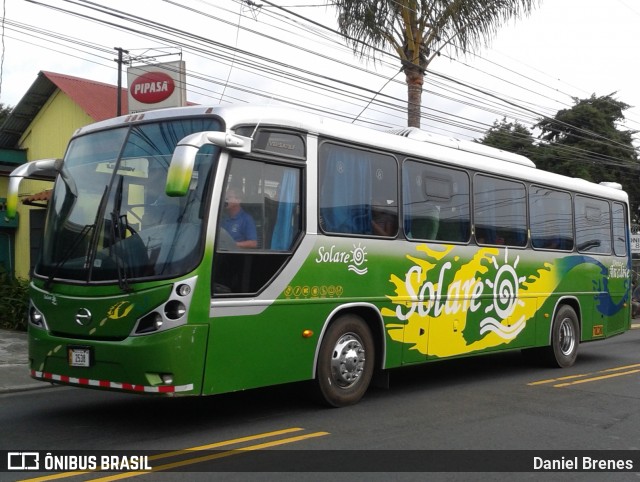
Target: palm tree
419 30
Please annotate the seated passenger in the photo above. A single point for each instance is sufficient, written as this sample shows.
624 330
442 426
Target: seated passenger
383 223
238 223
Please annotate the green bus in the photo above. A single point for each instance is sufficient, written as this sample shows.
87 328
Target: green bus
203 250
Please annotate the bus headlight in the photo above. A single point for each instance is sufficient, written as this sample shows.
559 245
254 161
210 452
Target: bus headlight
174 310
35 317
171 313
183 290
150 323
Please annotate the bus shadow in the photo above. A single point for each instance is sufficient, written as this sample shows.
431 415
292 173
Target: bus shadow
168 417
105 412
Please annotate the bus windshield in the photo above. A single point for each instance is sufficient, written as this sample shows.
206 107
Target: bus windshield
110 219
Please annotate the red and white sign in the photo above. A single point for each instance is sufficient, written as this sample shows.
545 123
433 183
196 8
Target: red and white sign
157 86
152 87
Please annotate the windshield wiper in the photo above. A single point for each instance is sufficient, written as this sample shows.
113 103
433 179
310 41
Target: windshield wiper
119 225
93 244
67 254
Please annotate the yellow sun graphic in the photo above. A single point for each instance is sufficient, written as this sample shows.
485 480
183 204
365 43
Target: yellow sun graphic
512 301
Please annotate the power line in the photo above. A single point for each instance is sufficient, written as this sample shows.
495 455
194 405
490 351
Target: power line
266 67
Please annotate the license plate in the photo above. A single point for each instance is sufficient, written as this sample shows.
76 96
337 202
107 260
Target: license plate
79 356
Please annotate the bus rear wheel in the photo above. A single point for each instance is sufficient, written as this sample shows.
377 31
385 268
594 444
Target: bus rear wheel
565 338
345 362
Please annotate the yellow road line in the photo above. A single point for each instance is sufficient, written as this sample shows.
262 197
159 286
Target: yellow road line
225 443
218 455
589 377
552 380
595 379
626 367
211 446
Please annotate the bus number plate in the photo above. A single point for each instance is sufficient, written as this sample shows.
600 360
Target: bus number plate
79 356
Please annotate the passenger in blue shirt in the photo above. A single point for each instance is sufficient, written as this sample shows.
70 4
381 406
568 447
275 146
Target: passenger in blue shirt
238 223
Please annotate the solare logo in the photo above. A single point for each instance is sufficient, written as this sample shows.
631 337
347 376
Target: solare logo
152 87
354 260
619 270
433 297
51 298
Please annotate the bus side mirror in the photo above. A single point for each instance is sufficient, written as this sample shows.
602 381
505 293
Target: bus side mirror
184 157
42 169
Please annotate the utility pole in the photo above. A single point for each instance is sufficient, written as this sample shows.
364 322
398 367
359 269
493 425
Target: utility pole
120 61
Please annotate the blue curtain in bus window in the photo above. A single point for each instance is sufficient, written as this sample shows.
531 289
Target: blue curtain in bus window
345 195
285 227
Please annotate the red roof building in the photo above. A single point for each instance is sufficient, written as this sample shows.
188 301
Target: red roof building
39 127
96 99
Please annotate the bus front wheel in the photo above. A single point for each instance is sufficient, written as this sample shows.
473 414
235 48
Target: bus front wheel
345 361
565 338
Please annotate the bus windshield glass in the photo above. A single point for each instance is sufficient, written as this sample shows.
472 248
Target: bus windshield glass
110 219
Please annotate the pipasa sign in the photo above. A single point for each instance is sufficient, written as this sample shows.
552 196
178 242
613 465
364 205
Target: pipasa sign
156 86
152 87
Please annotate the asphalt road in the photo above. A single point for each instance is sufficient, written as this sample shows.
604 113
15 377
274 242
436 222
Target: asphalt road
442 415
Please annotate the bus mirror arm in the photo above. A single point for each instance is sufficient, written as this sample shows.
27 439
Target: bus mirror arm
226 140
43 169
184 156
230 141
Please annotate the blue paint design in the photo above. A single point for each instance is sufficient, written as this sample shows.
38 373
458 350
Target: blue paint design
604 303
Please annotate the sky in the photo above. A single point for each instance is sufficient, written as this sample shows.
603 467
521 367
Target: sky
534 66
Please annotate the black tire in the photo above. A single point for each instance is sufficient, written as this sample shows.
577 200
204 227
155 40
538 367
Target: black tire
565 338
345 362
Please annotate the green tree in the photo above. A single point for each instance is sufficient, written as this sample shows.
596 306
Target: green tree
419 30
512 137
584 141
587 141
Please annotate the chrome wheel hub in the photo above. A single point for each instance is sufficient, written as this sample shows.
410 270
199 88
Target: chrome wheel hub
567 337
347 361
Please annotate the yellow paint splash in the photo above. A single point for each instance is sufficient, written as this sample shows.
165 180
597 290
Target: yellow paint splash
442 335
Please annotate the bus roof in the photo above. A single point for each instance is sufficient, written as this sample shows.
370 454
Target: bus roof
453 143
409 141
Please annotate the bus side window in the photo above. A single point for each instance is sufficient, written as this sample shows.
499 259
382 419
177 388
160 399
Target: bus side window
551 215
500 215
384 206
270 196
436 202
357 191
620 229
593 225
